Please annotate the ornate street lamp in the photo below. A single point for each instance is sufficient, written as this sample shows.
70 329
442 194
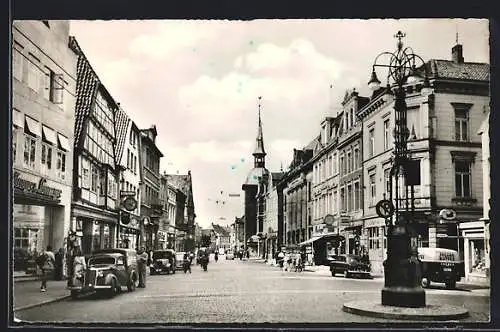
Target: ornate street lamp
402 268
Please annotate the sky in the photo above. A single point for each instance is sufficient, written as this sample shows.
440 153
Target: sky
199 83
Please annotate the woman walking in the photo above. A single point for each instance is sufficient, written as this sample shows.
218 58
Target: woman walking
79 266
46 262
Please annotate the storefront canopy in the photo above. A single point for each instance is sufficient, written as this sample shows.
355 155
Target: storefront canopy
316 238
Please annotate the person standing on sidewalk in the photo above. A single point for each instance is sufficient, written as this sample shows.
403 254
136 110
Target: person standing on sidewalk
79 267
46 261
142 261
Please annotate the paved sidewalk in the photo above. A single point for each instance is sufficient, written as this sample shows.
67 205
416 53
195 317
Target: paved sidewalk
27 294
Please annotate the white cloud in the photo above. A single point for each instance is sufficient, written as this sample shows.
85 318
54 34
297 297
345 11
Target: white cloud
174 36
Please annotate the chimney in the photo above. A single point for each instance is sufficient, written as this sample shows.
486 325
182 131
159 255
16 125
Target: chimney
457 54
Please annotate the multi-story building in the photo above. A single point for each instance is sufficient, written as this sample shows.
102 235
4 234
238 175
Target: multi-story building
151 207
441 140
350 181
197 235
273 203
222 237
95 203
239 233
185 211
250 187
43 114
127 150
168 230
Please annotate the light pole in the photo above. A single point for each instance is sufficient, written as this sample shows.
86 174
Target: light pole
401 268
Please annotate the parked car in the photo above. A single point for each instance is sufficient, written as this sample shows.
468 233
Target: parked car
349 265
441 265
163 261
179 259
108 270
229 255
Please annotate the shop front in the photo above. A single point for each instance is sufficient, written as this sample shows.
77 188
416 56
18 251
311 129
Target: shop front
129 231
474 251
94 228
40 218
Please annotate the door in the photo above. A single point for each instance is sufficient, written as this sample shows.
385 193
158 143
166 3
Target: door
121 271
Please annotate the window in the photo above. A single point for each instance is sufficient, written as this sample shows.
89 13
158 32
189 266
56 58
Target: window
349 198
128 158
373 191
95 179
85 174
349 162
353 119
46 158
135 164
387 180
386 135
342 200
461 125
56 87
357 194
61 165
357 161
17 64
335 168
342 165
373 238
35 74
371 142
14 143
29 151
462 178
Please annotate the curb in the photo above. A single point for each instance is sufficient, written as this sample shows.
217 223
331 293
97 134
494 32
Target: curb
29 306
428 313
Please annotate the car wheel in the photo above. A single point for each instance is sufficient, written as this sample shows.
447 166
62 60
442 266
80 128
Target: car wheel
132 284
452 284
113 290
346 274
152 272
425 282
74 294
333 272
173 271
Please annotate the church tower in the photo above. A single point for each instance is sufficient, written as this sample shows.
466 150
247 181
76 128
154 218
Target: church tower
251 185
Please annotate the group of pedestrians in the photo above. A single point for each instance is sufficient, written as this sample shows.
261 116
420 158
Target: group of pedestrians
290 261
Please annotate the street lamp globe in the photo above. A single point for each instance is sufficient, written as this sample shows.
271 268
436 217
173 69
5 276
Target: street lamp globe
374 83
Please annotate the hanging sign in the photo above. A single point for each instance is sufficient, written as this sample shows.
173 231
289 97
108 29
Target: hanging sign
130 204
384 208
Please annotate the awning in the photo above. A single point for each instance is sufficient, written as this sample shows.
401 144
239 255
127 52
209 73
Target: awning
311 240
33 126
49 135
63 142
17 118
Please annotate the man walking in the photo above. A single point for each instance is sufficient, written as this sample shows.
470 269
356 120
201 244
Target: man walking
142 259
46 262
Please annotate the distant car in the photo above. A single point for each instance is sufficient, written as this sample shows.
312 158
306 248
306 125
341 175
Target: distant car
163 261
179 259
349 265
229 254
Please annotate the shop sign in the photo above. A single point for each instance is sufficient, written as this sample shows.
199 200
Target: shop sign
36 188
130 204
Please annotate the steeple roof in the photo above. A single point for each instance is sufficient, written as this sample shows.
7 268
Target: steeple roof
259 147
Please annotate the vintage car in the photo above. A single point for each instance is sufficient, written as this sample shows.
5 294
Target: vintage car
440 265
349 265
163 261
108 270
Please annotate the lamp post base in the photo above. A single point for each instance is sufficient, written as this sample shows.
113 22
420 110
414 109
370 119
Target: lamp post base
398 296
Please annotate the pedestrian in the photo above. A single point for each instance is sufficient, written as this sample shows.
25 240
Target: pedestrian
142 260
187 262
79 267
46 262
281 258
216 256
58 266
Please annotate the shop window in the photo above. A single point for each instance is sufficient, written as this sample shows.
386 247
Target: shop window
477 257
373 238
106 239
96 236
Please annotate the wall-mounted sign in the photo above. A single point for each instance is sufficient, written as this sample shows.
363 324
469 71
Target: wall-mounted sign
448 214
124 193
130 204
39 188
329 219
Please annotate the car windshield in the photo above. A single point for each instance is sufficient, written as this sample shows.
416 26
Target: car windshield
353 259
101 260
161 255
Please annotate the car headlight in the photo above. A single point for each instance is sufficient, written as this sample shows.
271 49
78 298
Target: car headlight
100 274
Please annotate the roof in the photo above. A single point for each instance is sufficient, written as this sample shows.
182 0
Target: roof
255 174
221 231
122 122
312 145
86 89
447 69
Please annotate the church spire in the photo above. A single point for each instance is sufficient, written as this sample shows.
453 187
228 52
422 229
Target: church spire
259 153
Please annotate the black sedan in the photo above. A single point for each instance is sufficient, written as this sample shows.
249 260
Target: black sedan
349 265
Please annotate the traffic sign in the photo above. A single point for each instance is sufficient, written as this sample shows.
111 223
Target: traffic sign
384 208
